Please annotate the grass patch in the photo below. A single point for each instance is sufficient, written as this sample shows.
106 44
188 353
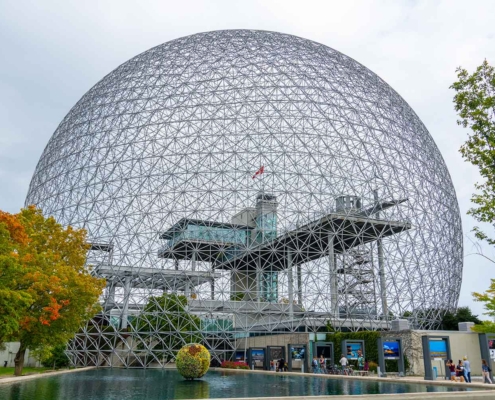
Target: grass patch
9 371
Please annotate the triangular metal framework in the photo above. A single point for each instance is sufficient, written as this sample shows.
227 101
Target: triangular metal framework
354 220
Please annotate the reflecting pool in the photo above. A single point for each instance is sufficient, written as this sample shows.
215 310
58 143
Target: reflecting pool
138 384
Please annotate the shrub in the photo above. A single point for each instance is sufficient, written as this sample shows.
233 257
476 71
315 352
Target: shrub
192 361
57 358
373 366
234 365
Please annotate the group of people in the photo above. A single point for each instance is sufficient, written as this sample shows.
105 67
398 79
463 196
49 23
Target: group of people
362 363
462 371
279 366
319 365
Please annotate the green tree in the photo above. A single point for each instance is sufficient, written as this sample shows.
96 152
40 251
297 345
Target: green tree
62 293
488 298
475 104
166 325
14 298
450 320
484 327
56 357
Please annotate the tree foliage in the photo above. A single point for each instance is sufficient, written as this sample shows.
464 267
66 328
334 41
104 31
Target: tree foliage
488 298
484 327
475 104
48 273
56 358
14 296
166 325
450 320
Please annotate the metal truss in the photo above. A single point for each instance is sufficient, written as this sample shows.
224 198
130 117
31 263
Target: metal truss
354 220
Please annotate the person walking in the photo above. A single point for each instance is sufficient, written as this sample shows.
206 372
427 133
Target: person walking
366 367
451 366
323 367
459 371
360 362
314 364
467 370
343 363
486 371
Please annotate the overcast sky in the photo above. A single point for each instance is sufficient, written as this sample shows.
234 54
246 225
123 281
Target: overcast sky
55 51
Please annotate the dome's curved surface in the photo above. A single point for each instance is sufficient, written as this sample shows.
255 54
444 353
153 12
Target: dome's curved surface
179 130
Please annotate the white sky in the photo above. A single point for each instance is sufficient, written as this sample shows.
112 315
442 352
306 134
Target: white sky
53 52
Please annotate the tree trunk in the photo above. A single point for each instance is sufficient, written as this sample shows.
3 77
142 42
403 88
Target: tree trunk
19 360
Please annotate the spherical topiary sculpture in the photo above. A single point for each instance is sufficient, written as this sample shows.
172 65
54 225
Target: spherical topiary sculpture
192 361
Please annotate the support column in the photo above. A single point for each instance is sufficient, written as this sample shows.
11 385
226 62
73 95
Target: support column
193 261
125 308
381 266
290 279
194 254
333 276
111 294
381 273
299 285
258 279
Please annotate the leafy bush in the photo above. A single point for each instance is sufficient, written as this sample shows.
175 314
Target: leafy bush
56 358
234 365
192 361
373 366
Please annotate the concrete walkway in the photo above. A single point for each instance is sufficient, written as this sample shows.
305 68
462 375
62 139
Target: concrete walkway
15 379
479 390
477 383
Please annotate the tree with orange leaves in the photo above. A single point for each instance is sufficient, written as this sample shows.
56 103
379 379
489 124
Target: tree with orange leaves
61 293
13 296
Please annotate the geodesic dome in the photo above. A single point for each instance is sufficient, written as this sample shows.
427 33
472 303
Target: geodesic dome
353 220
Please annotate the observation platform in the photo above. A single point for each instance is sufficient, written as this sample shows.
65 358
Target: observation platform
162 279
306 243
203 240
312 241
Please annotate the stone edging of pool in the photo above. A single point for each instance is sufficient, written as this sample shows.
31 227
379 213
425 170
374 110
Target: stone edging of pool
15 379
487 393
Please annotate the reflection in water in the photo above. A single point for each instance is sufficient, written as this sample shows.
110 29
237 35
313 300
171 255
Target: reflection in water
44 389
138 384
199 389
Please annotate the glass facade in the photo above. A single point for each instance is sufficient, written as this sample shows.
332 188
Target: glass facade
266 227
266 230
269 286
216 325
206 233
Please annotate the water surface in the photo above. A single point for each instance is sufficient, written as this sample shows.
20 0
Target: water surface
138 384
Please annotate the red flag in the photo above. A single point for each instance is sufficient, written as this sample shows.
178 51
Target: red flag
259 172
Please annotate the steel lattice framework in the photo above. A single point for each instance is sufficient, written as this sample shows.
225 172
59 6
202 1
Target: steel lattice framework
354 219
